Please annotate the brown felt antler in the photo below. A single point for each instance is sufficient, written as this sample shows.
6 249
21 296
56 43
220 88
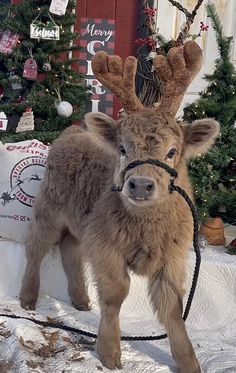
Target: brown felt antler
109 70
176 72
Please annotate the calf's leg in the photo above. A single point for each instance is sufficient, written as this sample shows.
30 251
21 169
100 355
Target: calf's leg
73 267
113 286
166 294
42 236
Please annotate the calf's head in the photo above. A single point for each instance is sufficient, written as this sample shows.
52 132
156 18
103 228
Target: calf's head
145 135
150 133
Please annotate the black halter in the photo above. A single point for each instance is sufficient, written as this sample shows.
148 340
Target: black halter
153 162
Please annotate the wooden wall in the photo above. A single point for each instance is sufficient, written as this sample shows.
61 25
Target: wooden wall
126 14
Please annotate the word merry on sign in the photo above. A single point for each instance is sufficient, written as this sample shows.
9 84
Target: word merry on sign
92 30
96 34
39 32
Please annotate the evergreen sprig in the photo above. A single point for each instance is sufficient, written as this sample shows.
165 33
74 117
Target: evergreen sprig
214 175
40 94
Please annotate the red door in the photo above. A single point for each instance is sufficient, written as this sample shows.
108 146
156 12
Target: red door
126 16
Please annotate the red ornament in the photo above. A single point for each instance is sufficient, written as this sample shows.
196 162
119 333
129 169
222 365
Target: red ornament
30 69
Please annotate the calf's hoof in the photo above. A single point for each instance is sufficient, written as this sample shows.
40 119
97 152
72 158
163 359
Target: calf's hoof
194 368
111 361
81 303
82 306
110 357
28 304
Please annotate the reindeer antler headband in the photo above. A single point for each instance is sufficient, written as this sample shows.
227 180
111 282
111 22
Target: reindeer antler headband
176 71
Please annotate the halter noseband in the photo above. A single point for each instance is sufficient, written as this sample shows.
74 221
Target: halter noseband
153 162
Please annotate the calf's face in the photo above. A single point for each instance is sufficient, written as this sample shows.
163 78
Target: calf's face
144 135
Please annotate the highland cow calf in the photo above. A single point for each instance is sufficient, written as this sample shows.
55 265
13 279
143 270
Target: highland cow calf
143 228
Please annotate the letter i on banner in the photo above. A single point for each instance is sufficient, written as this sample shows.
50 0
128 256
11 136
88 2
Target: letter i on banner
58 7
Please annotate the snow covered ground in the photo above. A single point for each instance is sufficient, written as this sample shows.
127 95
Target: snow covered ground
26 347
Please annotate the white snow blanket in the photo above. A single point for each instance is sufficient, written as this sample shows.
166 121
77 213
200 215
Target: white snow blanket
26 347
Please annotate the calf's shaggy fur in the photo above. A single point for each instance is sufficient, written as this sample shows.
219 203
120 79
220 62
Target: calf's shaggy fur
120 232
77 208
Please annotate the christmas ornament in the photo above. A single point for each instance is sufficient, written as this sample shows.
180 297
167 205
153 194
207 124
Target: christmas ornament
1 92
30 69
8 41
3 121
213 230
232 165
26 122
58 7
64 109
232 244
46 31
15 81
202 242
47 66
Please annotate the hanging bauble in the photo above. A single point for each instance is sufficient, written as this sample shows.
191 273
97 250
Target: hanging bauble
15 81
3 121
58 7
1 92
202 242
232 165
47 66
30 69
64 109
26 122
46 31
8 41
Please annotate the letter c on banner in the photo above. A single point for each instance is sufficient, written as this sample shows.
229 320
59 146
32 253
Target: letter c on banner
90 46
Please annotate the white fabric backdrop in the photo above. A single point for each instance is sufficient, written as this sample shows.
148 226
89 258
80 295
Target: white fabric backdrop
211 323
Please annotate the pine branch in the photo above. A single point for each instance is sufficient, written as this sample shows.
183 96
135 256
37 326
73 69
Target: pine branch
223 41
217 25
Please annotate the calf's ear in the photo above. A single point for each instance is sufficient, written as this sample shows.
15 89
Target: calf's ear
200 136
102 125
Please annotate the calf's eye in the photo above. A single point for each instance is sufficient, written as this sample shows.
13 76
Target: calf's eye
171 153
122 150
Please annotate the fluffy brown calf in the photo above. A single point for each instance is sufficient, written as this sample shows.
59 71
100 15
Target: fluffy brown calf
144 228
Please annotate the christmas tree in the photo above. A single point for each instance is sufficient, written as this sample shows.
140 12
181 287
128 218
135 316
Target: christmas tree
40 85
214 175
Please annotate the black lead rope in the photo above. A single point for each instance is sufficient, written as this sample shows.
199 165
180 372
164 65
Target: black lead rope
172 188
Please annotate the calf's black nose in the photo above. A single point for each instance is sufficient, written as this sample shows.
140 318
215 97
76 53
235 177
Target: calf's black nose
141 186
